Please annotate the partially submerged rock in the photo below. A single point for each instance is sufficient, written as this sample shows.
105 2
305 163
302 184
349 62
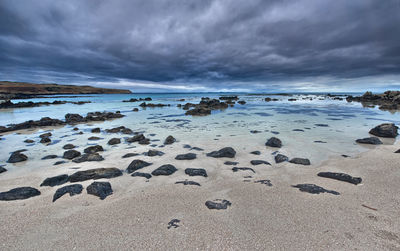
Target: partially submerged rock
100 189
136 165
68 146
314 189
20 193
231 163
2 169
226 152
152 153
51 156
55 181
94 174
167 169
71 189
196 172
341 176
128 155
218 204
370 141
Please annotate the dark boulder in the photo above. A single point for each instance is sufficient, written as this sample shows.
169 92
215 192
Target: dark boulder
167 169
126 131
2 169
386 130
17 157
100 189
55 181
45 140
29 141
187 156
300 161
281 158
93 149
51 156
218 204
139 174
135 138
314 189
114 141
45 135
68 147
128 155
88 157
341 176
71 189
370 141
259 162
231 163
235 169
256 152
95 130
226 152
196 172
169 140
70 154
20 193
72 118
152 153
94 138
94 174
59 162
274 142
136 165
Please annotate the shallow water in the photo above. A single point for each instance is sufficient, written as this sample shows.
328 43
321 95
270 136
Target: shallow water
333 124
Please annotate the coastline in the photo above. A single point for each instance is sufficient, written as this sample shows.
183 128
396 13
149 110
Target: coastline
136 215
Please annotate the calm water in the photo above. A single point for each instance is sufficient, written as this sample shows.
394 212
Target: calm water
231 127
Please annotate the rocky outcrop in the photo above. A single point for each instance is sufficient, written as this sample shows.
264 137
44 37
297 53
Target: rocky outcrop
341 176
196 172
100 189
370 141
389 100
55 181
71 189
167 169
43 122
144 105
274 142
226 152
136 165
386 130
94 174
218 204
136 100
205 107
314 189
20 193
8 104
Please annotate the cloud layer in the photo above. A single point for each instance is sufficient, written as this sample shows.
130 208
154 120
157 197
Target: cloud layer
203 45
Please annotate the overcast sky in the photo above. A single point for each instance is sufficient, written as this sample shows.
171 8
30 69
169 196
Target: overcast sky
203 45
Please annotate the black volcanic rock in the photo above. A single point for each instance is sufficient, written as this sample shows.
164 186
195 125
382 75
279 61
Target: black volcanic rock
95 130
70 154
128 155
136 138
100 189
226 152
136 165
274 142
218 204
281 158
139 174
55 181
259 162
341 176
386 130
196 172
370 141
152 153
68 147
94 174
235 169
51 156
167 169
114 141
314 189
71 189
2 169
186 156
188 182
169 140
16 157
300 161
88 157
256 152
231 163
20 193
93 149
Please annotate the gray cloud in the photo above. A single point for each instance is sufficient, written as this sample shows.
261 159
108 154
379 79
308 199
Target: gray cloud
204 45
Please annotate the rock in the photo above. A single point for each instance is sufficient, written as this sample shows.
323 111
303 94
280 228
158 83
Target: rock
72 118
94 138
144 104
135 109
256 152
370 141
144 141
100 189
71 189
187 156
43 122
95 130
45 135
255 131
93 149
231 163
188 182
235 169
274 142
139 174
397 151
29 141
169 140
198 112
226 152
70 154
45 140
196 172
322 125
242 102
115 130
2 169
20 193
59 162
341 176
386 130
264 182
152 153
126 131
197 148
136 165
114 141
167 169
218 204
128 155
51 156
68 147
88 157
259 162
314 189
281 158
16 157
300 161
173 223
55 181
135 138
94 174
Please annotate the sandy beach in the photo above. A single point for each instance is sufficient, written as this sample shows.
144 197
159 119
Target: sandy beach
277 217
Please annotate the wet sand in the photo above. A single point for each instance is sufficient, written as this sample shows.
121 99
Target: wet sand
279 217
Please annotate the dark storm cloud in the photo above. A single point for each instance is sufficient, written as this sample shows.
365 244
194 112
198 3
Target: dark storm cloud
216 44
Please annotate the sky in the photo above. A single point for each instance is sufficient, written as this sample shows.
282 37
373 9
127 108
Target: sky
203 45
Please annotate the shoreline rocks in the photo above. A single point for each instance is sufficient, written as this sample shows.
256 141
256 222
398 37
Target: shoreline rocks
196 172
218 204
16 157
386 130
164 170
20 193
100 189
186 156
314 189
226 152
94 174
370 141
274 142
389 100
71 189
55 181
136 165
341 176
300 161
